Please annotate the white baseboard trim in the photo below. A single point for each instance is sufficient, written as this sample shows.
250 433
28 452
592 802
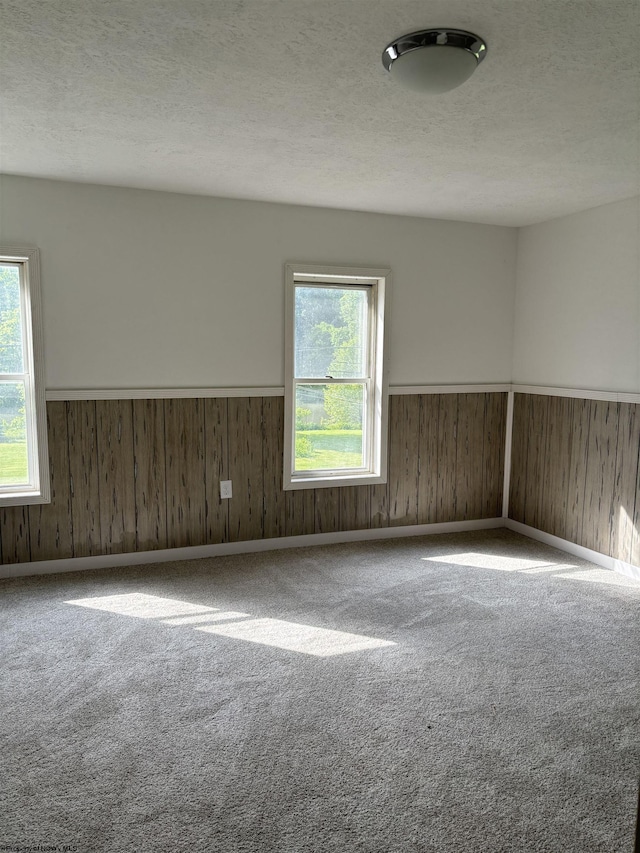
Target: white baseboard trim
576 550
195 552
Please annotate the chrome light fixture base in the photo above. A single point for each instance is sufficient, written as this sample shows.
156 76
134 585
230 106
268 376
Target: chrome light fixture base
431 62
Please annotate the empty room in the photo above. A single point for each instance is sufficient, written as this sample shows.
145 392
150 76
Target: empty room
319 426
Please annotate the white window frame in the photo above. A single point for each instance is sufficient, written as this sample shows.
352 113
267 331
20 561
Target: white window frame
376 413
38 490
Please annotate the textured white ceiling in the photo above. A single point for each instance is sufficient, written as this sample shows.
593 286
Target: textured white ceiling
287 100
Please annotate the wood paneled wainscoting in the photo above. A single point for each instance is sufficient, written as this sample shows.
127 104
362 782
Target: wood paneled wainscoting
140 475
574 471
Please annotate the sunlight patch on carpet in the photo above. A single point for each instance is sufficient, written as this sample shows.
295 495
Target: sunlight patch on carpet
499 562
143 606
320 642
568 571
205 618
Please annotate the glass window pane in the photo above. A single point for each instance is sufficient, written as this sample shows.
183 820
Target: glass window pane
14 469
331 332
10 320
329 421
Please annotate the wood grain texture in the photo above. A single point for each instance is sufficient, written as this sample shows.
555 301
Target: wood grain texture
15 536
379 505
245 468
518 479
625 534
635 533
537 420
495 423
587 489
150 474
327 506
116 481
50 526
216 468
578 469
145 474
83 467
300 512
553 517
469 457
272 462
185 472
447 452
404 433
379 496
428 459
600 475
355 511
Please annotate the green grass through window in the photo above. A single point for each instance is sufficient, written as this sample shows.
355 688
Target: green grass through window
328 449
13 463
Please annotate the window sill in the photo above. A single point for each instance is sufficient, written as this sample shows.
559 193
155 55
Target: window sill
333 481
25 498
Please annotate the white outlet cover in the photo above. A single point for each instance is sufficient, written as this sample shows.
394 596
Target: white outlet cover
226 490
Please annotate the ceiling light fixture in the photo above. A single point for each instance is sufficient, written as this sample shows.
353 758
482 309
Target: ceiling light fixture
434 61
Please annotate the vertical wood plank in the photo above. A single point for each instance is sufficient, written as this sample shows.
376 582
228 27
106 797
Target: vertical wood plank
216 469
495 424
557 463
548 442
185 472
116 484
518 479
83 467
404 425
15 538
379 505
538 415
272 460
575 474
245 468
600 475
150 474
428 459
447 445
300 512
635 533
379 493
327 510
469 457
355 510
625 537
50 525
578 469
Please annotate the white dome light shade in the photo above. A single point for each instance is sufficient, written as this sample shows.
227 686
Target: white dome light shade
434 61
434 69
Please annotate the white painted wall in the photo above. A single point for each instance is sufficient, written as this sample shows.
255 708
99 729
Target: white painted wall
577 309
148 289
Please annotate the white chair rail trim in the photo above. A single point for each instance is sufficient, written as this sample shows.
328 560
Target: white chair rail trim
278 391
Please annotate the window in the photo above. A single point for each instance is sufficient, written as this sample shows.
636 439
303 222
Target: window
335 392
24 470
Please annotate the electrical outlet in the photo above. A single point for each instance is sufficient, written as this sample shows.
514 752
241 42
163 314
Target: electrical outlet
226 490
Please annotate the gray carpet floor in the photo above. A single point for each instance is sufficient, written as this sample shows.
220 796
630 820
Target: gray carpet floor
474 692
